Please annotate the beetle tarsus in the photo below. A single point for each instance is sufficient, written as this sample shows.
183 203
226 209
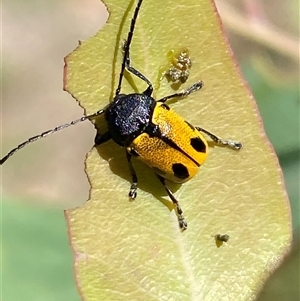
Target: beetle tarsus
132 192
232 144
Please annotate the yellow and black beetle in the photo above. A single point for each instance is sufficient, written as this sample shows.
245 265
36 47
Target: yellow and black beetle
149 130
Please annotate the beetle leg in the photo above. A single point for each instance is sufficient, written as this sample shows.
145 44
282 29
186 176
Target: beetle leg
99 139
178 210
149 90
195 87
232 144
132 192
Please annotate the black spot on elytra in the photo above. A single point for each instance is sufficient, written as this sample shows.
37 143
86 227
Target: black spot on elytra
198 144
180 171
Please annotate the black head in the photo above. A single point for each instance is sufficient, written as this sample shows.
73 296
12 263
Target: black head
128 116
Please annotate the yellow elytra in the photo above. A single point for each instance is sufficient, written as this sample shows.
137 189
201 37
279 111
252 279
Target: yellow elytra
180 151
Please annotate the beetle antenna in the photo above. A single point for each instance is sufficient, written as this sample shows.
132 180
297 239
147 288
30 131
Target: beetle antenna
127 44
49 132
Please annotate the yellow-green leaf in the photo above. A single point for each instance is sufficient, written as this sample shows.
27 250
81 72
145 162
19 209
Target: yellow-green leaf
134 250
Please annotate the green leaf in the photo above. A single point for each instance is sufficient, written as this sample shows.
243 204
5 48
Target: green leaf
134 250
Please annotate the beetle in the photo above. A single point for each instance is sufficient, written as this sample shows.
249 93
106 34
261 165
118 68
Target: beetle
150 130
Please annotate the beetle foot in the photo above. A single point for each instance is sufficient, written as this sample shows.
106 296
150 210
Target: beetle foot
182 223
233 144
132 193
181 220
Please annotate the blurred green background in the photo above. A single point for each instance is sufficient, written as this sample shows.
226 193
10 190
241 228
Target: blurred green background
36 257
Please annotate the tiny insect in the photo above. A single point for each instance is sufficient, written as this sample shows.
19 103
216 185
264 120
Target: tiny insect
221 237
150 130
